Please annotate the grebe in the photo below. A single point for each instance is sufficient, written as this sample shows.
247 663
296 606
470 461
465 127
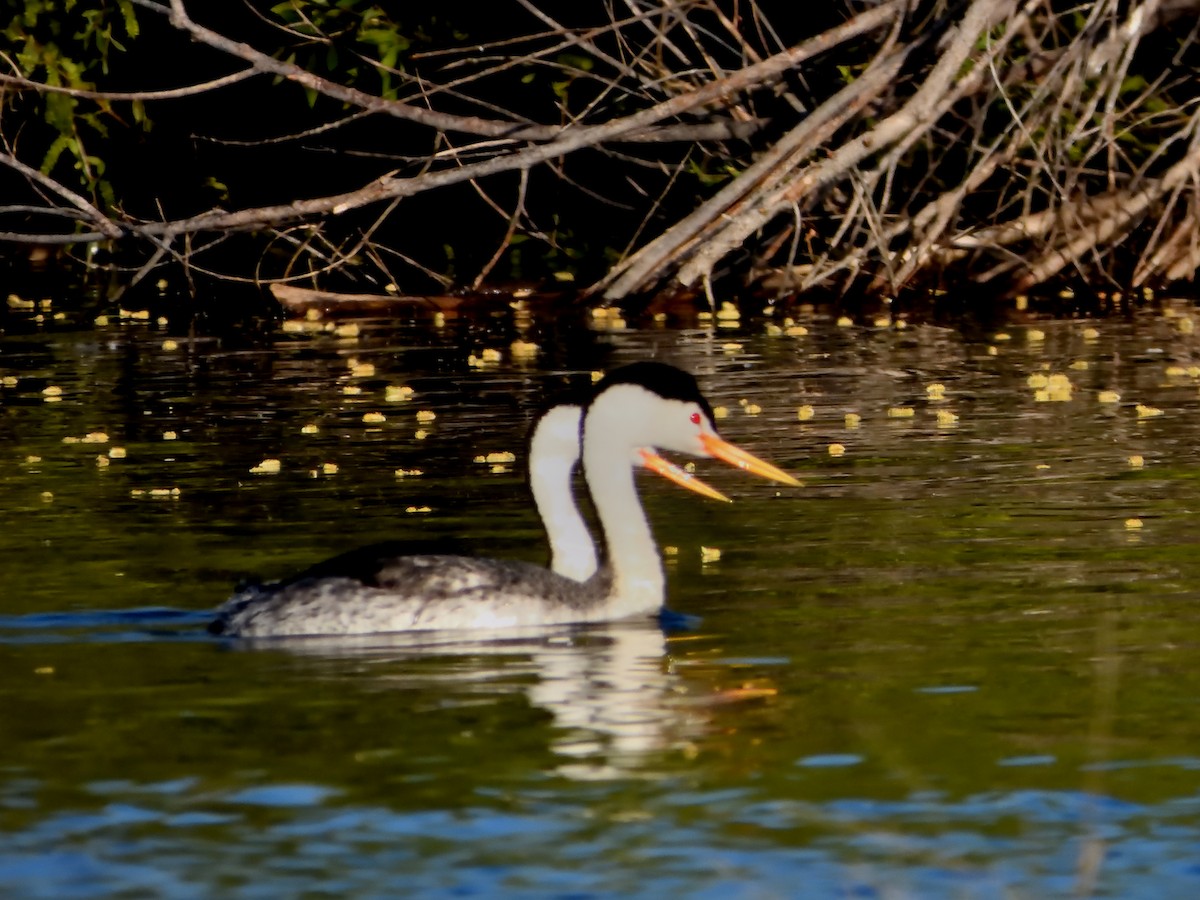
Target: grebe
644 405
554 452
553 455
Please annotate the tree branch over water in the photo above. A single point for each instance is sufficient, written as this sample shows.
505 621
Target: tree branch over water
894 147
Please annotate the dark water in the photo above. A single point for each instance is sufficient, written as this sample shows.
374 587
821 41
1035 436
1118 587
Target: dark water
960 662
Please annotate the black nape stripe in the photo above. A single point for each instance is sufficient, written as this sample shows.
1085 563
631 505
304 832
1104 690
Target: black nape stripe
665 380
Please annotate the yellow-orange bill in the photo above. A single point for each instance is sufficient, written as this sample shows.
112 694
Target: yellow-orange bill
672 472
736 456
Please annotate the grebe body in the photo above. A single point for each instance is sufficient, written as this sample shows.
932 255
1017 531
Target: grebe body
631 410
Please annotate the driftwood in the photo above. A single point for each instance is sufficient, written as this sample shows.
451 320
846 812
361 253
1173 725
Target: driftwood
308 301
998 142
311 302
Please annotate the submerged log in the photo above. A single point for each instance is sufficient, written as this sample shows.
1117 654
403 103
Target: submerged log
302 301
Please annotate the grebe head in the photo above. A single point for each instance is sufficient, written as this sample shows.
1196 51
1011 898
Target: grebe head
661 406
554 451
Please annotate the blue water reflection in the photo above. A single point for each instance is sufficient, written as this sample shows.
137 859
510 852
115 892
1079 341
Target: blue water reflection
1024 843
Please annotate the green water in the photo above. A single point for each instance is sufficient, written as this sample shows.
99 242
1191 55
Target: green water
959 662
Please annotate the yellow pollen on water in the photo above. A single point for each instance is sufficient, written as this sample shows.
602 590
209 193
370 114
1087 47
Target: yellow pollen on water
524 350
1056 388
728 311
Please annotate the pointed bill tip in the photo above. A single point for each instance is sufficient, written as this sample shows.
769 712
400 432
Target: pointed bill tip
736 456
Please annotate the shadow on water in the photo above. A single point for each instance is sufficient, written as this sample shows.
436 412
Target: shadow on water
958 663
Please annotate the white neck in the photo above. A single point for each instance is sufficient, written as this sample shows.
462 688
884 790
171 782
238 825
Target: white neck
638 585
553 453
572 552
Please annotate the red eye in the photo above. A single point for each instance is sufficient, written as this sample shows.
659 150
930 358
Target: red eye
695 418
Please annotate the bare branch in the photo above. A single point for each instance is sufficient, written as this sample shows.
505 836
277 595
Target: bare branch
102 223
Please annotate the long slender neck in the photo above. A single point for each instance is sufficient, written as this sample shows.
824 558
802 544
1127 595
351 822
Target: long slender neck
572 552
553 453
638 585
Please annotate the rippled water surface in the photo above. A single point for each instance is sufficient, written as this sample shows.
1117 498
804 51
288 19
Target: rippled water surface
961 661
